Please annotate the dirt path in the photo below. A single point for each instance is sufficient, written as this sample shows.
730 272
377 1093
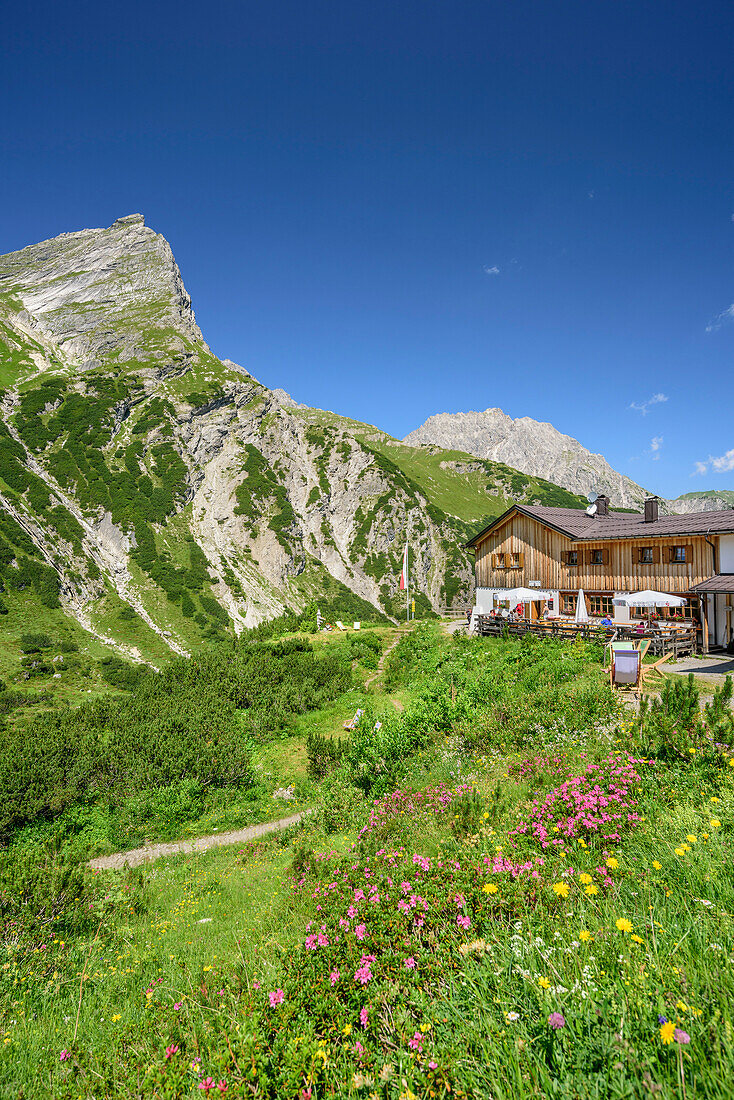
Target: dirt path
381 663
380 668
157 851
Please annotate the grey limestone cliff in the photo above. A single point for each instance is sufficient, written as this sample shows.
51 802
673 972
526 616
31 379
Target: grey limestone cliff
531 446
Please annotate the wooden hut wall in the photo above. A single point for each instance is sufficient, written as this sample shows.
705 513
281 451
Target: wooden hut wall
539 552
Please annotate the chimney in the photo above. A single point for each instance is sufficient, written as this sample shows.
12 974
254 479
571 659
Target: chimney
651 510
602 506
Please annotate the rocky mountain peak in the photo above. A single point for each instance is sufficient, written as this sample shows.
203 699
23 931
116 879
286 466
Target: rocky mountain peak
104 293
129 219
531 446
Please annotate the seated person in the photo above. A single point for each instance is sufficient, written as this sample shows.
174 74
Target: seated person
520 610
641 627
606 621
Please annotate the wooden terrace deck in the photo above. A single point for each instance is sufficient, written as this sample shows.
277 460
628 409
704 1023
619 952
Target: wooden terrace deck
678 642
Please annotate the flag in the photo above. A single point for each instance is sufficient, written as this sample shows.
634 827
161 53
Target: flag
404 574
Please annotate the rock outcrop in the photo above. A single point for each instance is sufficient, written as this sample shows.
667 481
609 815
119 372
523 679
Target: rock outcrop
531 446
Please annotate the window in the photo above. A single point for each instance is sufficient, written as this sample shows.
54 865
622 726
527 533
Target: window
571 557
678 554
648 555
601 606
568 601
597 557
516 561
498 561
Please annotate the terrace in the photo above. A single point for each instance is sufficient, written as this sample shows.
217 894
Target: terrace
679 640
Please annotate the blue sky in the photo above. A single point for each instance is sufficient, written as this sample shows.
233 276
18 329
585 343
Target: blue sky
397 209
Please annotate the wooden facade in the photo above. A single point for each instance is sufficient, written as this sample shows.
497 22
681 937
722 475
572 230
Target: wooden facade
523 551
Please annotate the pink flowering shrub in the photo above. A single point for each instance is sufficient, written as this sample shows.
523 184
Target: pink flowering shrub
391 813
597 805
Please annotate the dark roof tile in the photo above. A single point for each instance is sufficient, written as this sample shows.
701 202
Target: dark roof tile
723 582
575 523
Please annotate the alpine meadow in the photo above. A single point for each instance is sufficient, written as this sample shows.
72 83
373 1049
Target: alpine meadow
261 835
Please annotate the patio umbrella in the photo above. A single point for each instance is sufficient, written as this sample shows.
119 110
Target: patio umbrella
582 615
525 595
648 599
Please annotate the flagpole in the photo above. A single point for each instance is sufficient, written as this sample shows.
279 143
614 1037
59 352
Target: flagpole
407 584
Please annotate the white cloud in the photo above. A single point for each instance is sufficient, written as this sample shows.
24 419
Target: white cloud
721 319
723 464
655 444
491 270
643 406
591 194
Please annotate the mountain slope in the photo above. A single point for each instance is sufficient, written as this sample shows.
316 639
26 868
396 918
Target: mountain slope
711 500
533 447
158 495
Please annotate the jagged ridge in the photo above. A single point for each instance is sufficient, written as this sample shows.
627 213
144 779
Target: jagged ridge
172 494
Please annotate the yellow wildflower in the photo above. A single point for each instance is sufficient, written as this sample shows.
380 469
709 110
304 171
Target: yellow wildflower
637 939
657 865
667 1031
584 935
116 1017
715 823
591 890
543 983
585 879
489 888
680 851
691 838
347 1029
612 863
624 925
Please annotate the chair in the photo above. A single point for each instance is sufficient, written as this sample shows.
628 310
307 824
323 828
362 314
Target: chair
340 624
624 671
357 626
354 722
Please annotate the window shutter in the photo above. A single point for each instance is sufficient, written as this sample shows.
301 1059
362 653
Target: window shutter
605 555
689 553
581 556
521 561
508 561
639 555
656 555
671 553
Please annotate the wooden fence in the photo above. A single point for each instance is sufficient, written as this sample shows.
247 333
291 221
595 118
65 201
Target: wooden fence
679 642
452 613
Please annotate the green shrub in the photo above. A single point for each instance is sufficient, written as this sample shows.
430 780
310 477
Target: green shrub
122 674
34 643
324 754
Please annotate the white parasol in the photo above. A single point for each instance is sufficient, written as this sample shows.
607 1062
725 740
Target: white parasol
648 599
524 595
582 615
